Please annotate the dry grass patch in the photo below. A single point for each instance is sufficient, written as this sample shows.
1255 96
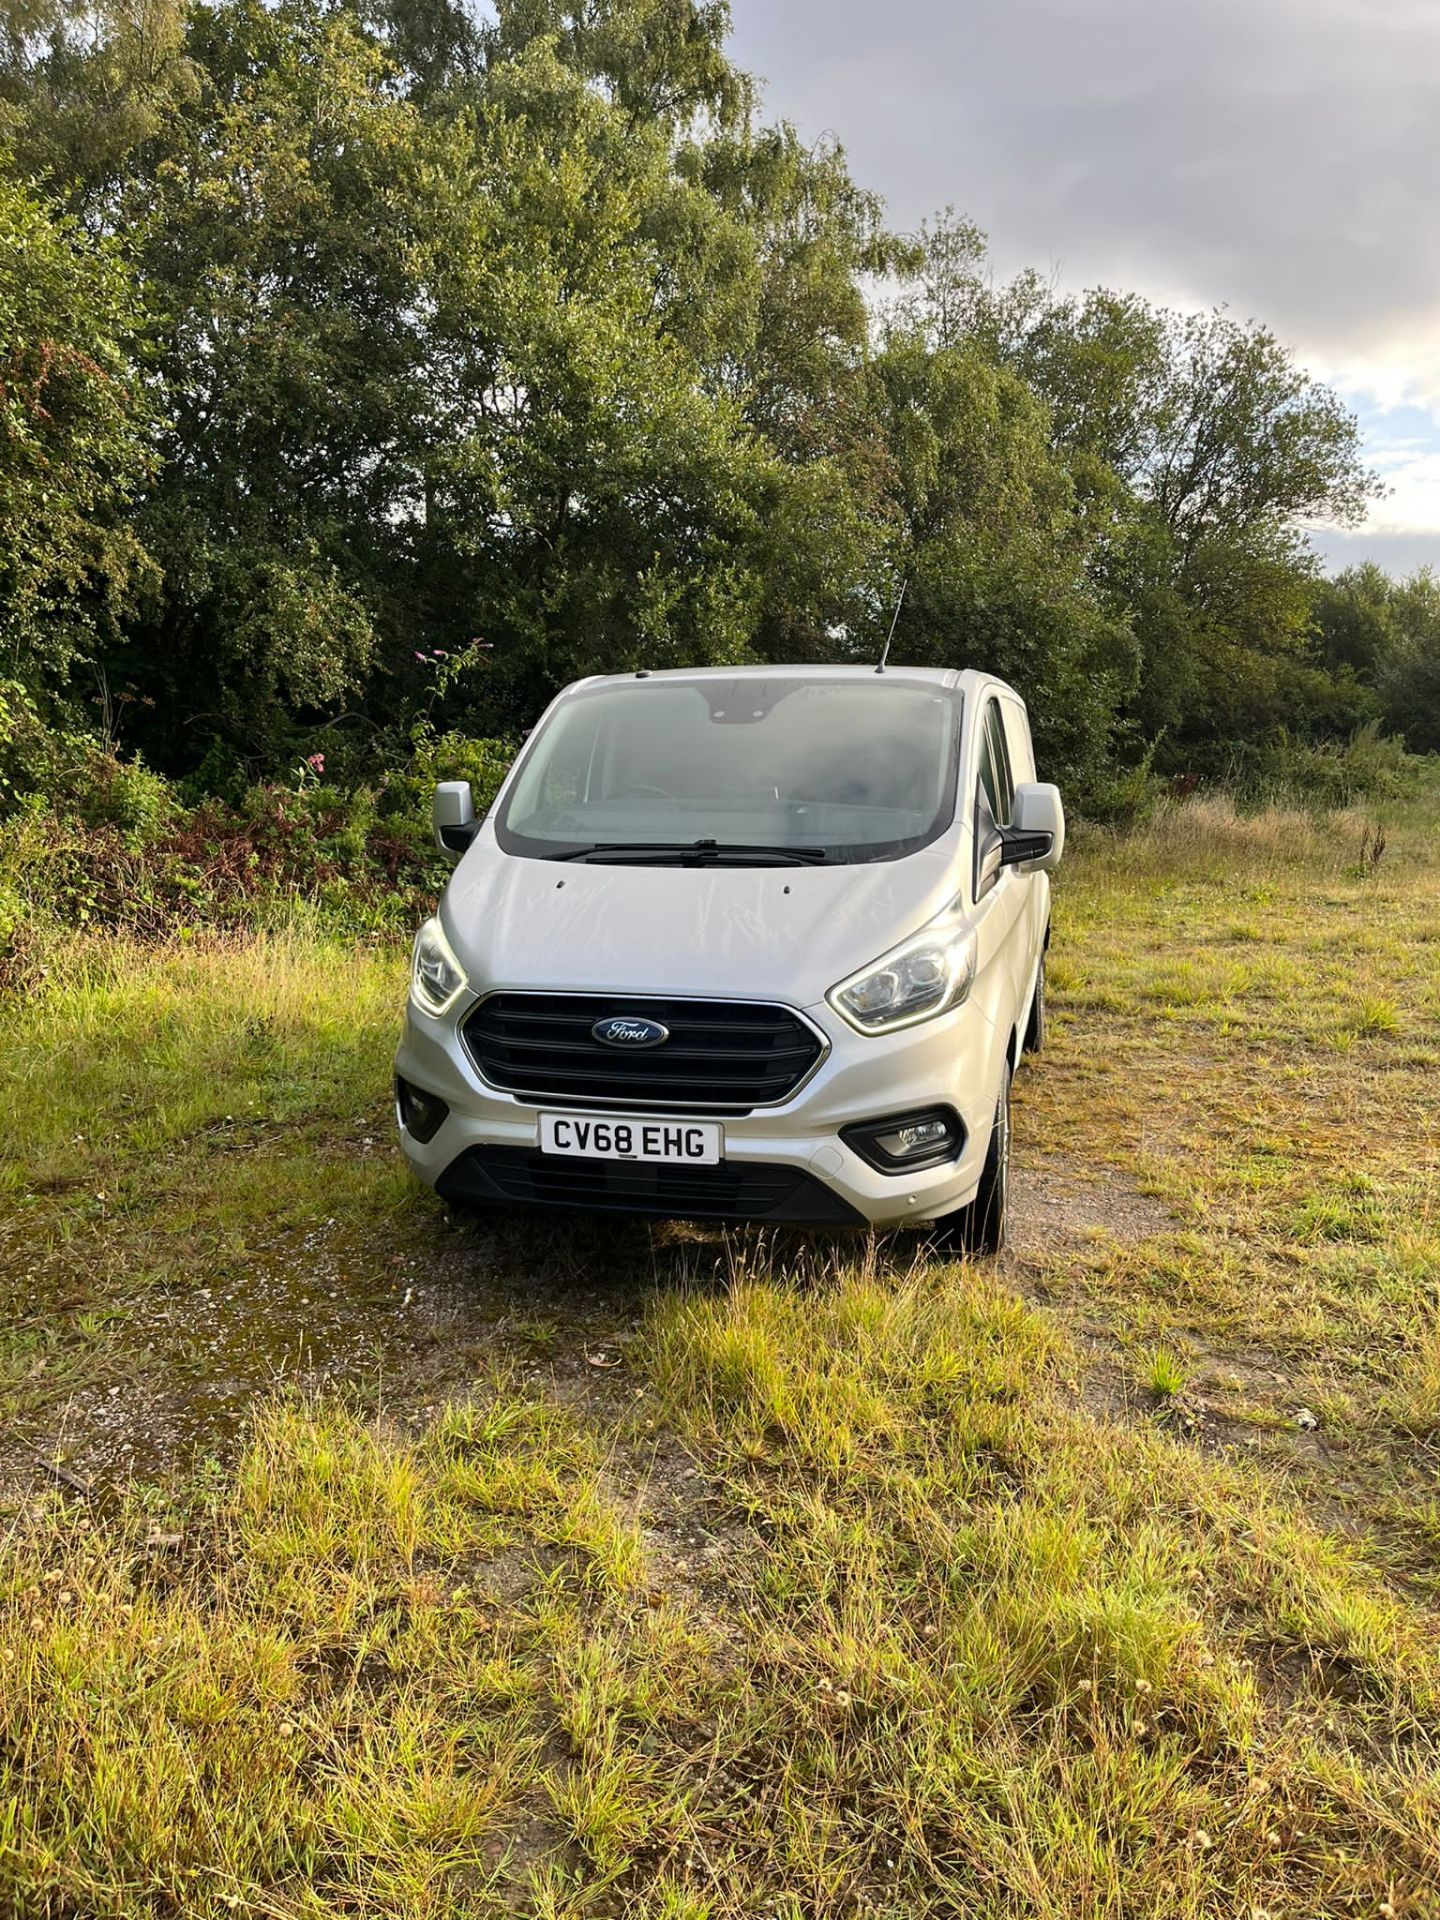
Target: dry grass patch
972 1628
305 1695
1009 1661
980 1654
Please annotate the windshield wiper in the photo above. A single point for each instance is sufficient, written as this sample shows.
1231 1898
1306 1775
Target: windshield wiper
696 853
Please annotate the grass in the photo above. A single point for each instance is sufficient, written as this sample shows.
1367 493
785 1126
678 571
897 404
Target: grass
1297 1143
180 1111
659 1576
1164 1374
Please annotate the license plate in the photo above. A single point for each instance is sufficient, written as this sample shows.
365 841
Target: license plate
589 1136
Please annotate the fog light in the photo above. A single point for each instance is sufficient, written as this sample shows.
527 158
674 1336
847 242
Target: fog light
421 1114
905 1141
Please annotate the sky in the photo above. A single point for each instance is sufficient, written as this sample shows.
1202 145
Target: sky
1278 157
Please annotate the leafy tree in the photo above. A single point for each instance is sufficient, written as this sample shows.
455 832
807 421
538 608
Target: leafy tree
85 85
1386 633
598 495
1205 419
1201 452
741 251
543 341
1245 441
286 229
521 326
989 537
1410 687
73 440
662 62
1358 620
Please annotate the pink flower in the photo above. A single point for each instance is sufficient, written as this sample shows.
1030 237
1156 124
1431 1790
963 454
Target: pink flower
440 654
316 760
422 659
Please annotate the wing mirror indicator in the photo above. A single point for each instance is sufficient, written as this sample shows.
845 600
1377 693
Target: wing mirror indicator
1024 849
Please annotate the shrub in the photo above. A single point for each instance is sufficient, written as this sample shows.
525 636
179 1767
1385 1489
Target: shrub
78 774
88 838
126 795
1127 797
1281 770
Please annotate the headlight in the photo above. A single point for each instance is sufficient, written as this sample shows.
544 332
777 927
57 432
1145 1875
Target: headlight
436 977
927 974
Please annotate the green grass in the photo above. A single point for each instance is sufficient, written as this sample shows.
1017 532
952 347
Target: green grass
178 1111
676 1578
1296 1139
1164 1374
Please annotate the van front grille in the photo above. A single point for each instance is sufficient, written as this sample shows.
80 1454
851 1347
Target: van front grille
724 1054
735 1191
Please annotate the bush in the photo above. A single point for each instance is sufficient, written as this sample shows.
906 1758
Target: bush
126 795
33 756
90 839
1128 797
404 801
78 774
1281 770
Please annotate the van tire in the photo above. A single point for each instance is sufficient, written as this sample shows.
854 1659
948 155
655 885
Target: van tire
979 1229
1035 1026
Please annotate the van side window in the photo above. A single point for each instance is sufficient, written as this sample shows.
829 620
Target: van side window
1017 739
1002 791
988 783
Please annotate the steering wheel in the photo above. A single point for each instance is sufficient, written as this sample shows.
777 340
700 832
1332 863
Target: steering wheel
644 793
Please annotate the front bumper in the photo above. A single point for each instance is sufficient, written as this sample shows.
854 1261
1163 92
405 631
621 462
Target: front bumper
952 1061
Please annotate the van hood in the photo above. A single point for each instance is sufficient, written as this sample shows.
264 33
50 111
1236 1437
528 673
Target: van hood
772 933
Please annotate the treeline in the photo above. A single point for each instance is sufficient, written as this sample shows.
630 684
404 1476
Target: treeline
369 368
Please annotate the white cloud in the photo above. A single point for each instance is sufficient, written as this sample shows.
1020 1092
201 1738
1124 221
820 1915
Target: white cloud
1398 553
1413 476
1280 157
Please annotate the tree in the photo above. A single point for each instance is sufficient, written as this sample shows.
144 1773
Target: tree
539 338
1245 442
74 427
987 533
1386 633
1201 453
522 326
85 86
286 227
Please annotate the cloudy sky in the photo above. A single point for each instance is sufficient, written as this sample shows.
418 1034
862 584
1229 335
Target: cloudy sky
1279 156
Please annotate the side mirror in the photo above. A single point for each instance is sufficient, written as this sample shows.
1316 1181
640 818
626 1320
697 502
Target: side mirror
1035 838
453 815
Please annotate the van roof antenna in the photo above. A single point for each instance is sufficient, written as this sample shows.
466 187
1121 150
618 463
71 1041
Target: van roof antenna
885 653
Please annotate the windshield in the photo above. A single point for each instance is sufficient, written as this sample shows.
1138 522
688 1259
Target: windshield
737 771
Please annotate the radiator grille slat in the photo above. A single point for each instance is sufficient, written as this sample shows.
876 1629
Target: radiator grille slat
734 1191
726 1055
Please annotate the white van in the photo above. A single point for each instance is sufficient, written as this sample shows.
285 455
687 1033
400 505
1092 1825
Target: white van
741 944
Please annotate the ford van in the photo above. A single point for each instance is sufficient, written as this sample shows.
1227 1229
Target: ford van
741 944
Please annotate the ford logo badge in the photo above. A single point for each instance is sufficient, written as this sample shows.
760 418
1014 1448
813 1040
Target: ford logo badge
625 1030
